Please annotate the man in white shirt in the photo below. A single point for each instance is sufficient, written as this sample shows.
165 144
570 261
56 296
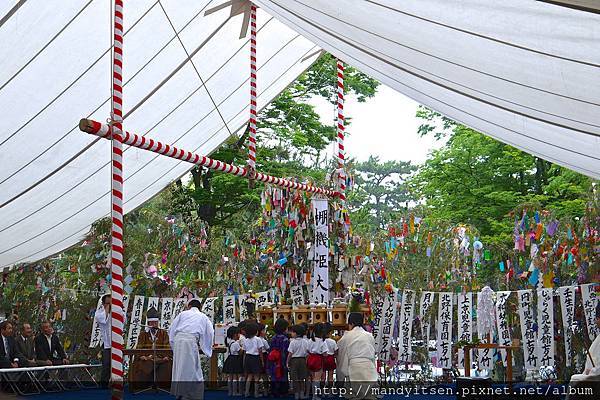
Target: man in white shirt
190 331
102 318
356 351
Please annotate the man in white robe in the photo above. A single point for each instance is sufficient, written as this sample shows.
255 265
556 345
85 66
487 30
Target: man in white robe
591 373
356 358
190 331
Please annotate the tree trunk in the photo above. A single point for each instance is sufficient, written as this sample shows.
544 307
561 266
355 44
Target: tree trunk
203 181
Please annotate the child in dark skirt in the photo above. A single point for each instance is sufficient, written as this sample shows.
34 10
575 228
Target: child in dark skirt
233 364
296 362
252 346
277 360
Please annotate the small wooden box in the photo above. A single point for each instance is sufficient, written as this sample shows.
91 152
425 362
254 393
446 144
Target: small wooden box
284 312
265 314
302 314
339 314
319 314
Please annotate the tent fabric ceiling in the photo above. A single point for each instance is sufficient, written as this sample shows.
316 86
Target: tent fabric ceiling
55 69
524 72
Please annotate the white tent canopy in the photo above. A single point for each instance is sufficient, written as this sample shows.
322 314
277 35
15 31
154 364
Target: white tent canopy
524 72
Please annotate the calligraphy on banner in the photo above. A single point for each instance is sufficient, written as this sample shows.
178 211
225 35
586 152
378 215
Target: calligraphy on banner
386 328
152 303
484 356
320 276
136 321
377 312
262 299
528 330
297 295
427 299
166 313
444 336
406 322
228 310
590 299
242 306
96 337
178 307
465 323
504 338
546 328
567 308
208 308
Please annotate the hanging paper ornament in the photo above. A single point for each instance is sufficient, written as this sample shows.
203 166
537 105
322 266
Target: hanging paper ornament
486 316
487 255
501 265
477 245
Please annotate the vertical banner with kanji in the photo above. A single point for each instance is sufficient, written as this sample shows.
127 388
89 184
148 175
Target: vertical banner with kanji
166 312
406 322
377 311
208 308
386 327
484 356
504 338
545 328
96 337
465 324
152 303
242 306
262 299
178 307
589 298
136 321
228 310
320 276
297 295
528 329
444 331
567 308
427 299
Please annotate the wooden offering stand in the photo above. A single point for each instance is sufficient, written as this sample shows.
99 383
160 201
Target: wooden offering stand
509 354
283 312
339 315
302 314
319 314
265 314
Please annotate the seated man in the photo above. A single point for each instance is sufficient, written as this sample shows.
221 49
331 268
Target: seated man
141 373
26 347
48 346
9 354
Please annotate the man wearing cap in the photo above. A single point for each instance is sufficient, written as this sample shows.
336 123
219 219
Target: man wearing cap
142 373
190 331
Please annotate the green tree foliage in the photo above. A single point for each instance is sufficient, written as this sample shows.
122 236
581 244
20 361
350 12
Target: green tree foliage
477 180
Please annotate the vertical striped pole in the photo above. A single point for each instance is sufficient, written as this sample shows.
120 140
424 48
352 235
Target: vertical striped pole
252 126
116 253
340 130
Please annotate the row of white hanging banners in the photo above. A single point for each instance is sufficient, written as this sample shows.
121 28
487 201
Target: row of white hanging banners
538 345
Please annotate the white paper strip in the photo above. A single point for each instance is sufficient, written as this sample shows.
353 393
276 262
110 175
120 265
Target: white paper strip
406 323
152 303
504 338
320 276
136 321
377 312
96 337
465 324
297 294
528 333
589 299
242 306
166 312
228 310
484 356
427 299
262 299
444 336
567 308
208 308
546 328
386 328
178 307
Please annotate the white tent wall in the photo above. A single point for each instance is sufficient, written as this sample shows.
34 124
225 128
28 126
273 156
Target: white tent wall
524 72
55 180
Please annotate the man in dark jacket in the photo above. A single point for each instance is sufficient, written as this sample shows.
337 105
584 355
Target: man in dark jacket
9 354
48 347
26 347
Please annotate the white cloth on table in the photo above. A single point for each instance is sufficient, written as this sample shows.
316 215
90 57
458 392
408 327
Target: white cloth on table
104 325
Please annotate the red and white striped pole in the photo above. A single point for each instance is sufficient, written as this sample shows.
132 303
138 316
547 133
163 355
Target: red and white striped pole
116 253
340 130
252 124
141 142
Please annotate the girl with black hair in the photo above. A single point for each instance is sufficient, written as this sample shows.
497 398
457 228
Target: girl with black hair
252 346
296 361
233 365
314 361
329 365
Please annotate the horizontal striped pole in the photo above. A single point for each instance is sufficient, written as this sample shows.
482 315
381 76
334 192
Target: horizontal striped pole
141 142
